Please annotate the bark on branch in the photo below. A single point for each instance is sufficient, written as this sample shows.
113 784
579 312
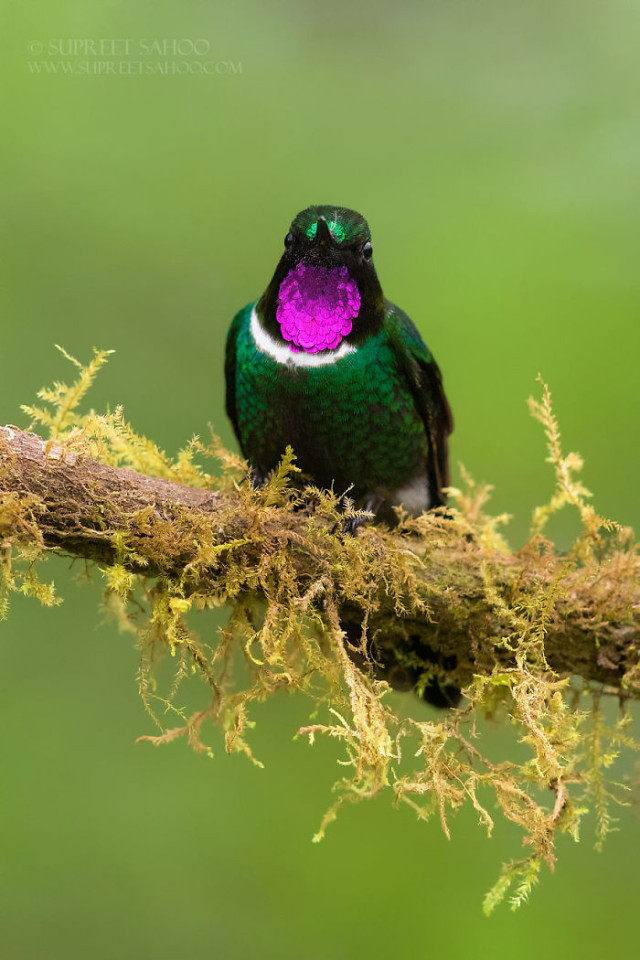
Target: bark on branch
78 506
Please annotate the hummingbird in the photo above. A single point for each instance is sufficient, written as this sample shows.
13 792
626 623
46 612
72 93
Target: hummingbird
323 362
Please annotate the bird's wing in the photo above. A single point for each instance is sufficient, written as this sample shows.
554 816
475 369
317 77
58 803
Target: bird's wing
425 382
230 367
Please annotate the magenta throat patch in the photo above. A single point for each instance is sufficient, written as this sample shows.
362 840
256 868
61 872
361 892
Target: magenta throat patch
316 306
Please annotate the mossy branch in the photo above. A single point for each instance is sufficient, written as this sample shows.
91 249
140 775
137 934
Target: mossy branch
77 505
439 600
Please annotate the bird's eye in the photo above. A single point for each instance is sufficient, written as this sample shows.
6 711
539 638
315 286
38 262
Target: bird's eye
367 250
288 240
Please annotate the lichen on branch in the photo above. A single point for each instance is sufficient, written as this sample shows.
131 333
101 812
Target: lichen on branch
532 636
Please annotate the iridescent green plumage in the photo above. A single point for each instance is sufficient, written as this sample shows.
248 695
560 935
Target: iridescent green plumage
344 224
371 415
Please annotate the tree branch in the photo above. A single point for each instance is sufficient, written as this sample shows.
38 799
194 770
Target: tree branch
75 505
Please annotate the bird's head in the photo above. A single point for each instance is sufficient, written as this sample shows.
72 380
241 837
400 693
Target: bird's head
325 288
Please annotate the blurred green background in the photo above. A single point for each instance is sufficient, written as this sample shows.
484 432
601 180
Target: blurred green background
494 148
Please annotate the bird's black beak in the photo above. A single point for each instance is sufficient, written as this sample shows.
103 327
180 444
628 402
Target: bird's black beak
323 234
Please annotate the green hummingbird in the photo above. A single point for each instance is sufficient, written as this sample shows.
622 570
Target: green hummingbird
323 362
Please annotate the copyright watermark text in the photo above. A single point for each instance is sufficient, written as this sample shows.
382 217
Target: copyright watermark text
128 56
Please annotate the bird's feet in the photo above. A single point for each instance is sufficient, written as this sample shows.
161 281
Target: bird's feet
257 477
354 520
351 525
